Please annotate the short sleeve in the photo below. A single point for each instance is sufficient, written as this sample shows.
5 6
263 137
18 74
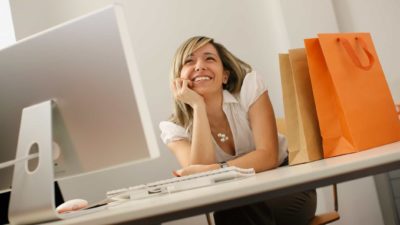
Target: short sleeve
172 132
253 86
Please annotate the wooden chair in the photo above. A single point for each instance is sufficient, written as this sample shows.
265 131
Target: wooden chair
328 217
323 218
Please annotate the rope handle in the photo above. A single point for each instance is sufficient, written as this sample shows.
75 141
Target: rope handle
350 51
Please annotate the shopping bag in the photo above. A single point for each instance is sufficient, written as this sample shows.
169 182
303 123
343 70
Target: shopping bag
302 131
398 109
354 105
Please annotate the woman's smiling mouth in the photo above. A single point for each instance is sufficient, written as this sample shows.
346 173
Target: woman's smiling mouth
201 78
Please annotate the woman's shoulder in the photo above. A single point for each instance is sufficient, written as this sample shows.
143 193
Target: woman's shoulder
253 86
171 131
170 126
251 80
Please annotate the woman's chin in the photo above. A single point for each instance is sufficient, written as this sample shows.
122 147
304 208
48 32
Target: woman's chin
204 92
200 91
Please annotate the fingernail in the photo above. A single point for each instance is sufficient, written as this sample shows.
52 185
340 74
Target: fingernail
175 174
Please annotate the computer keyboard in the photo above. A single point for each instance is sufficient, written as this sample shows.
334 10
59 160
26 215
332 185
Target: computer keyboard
180 183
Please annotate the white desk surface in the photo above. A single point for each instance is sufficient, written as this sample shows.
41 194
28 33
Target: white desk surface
262 186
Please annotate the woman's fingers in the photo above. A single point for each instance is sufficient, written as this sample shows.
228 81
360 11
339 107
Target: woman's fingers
178 83
192 169
185 84
182 91
176 86
177 173
190 83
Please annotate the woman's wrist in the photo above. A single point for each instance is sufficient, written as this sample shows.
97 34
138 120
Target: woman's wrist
223 164
218 165
214 166
198 104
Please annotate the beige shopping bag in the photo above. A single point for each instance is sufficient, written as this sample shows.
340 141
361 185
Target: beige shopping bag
302 128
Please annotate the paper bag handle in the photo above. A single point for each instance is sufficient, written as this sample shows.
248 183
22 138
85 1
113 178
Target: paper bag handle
356 60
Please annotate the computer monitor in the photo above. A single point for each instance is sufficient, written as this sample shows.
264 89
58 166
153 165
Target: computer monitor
86 73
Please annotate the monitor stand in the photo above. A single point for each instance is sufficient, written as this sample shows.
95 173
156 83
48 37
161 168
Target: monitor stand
32 196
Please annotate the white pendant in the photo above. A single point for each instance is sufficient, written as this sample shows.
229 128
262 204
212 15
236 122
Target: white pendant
222 137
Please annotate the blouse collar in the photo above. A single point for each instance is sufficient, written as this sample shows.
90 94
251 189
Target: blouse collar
228 97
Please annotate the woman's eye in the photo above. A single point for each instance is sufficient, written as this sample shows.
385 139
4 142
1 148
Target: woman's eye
187 61
210 59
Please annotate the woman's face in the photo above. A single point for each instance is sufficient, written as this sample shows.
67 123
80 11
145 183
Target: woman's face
204 68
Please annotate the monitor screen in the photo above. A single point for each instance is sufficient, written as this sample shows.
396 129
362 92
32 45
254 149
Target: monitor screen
87 68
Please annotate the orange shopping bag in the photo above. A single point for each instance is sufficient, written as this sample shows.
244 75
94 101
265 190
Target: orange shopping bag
354 105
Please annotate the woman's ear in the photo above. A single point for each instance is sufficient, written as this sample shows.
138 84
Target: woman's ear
226 76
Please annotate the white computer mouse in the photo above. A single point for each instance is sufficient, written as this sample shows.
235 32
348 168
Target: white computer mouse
72 205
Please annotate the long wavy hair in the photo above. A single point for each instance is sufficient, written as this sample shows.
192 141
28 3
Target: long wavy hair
183 113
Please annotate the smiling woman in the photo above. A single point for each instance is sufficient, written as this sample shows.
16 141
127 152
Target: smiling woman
223 117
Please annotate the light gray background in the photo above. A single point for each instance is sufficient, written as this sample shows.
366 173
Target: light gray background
256 31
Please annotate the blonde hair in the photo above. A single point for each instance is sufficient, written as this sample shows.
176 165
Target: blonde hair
237 69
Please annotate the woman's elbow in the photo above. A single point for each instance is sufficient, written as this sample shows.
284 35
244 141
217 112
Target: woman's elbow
270 161
273 162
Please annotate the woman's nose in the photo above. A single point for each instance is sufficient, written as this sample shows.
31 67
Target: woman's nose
199 66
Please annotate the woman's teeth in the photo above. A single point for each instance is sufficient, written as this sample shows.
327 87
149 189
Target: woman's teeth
201 78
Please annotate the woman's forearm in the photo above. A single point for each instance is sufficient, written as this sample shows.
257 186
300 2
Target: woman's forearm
202 148
260 160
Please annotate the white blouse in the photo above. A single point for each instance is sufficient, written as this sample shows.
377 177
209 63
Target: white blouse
236 108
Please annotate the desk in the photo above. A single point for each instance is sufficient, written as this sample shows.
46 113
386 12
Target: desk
262 186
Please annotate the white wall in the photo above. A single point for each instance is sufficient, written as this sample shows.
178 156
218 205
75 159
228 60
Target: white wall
256 31
305 18
7 36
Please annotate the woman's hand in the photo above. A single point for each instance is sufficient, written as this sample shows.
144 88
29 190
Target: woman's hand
182 92
192 169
